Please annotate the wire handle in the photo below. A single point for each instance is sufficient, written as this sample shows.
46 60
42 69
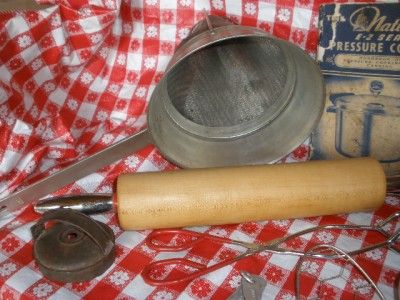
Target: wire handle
196 269
193 268
192 238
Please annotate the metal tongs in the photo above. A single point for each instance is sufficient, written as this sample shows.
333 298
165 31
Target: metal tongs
191 238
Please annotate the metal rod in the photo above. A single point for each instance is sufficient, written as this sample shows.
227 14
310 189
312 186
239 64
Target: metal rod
77 170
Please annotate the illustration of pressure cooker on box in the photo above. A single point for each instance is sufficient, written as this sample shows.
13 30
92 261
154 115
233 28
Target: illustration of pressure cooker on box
367 125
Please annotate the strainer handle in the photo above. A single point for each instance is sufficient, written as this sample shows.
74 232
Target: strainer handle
77 170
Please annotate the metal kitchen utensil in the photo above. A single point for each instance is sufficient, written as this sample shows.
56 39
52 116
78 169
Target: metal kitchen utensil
231 95
379 135
74 248
244 98
194 269
251 287
88 204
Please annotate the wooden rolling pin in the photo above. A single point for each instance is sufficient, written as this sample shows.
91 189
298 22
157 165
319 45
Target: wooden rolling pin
229 195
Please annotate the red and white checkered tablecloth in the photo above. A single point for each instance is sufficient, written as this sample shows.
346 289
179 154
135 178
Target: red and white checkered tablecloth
76 77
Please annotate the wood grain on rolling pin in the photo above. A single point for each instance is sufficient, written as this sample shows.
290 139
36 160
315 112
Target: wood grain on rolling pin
195 197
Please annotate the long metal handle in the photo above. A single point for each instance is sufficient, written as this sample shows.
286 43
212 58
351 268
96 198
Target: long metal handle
75 171
87 203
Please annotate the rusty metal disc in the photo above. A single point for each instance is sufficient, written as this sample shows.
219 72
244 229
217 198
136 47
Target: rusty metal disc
70 246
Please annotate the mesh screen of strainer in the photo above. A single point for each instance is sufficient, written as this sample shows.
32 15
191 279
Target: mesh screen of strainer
230 82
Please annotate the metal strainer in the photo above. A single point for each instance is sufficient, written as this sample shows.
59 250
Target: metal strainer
234 95
231 95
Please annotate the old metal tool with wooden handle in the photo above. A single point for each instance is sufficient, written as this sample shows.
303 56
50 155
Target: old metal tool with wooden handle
211 196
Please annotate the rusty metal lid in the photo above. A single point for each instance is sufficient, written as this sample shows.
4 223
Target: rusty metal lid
70 246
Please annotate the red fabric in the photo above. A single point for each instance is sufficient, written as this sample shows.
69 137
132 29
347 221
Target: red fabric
75 78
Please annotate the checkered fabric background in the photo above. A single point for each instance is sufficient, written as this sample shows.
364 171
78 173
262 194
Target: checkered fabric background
76 77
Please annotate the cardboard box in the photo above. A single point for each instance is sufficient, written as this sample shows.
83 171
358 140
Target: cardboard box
359 55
